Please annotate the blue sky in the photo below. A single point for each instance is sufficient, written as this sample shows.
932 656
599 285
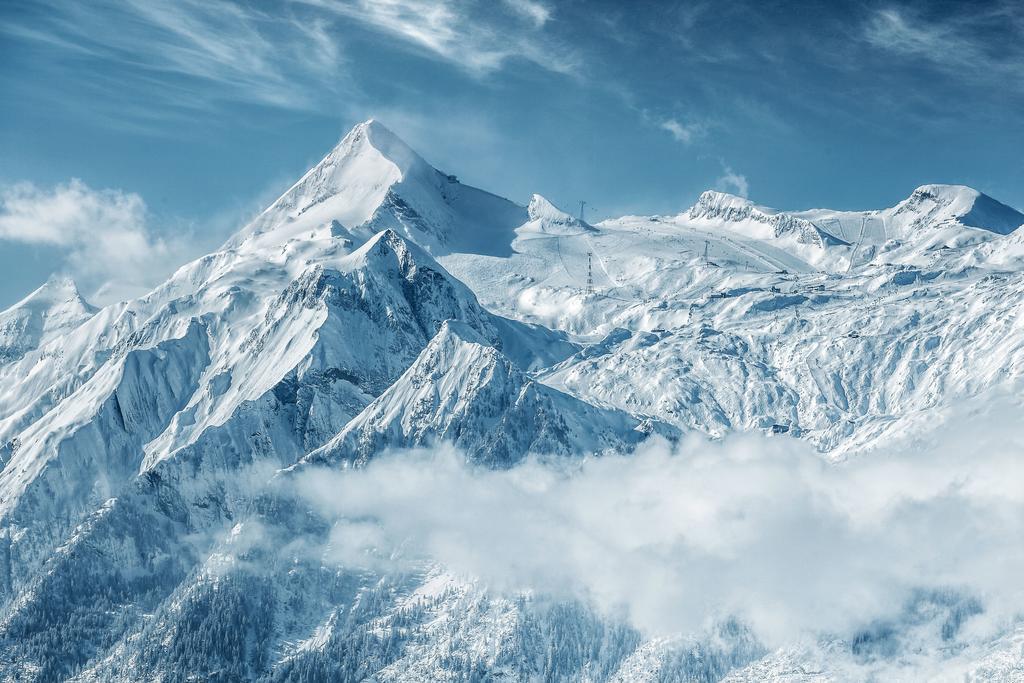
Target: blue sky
136 134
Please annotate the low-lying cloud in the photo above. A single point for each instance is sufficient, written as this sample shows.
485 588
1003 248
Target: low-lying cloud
104 235
681 536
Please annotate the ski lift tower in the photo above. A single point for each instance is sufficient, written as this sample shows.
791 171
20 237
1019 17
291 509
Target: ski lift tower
590 256
590 272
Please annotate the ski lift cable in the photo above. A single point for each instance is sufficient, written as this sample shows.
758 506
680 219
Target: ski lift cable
856 247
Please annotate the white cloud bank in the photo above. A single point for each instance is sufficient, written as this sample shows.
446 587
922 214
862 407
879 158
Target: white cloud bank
104 237
759 528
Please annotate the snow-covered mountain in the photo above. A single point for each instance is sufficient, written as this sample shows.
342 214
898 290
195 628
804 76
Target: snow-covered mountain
150 528
464 391
372 181
51 311
726 208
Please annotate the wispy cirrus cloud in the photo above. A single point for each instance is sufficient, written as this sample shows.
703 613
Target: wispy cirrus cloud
215 50
171 60
984 44
536 12
470 35
682 132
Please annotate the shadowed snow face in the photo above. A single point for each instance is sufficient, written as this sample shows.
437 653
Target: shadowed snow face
749 526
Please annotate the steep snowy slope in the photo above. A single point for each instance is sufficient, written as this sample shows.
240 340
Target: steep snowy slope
372 181
464 391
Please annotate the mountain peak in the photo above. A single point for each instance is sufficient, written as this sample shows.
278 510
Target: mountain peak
347 186
955 196
714 205
371 146
719 195
58 291
51 310
935 203
731 207
716 201
545 217
457 331
384 244
372 180
945 189
541 208
372 136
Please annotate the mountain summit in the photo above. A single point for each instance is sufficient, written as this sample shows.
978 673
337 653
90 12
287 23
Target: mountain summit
373 181
354 178
54 309
935 204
